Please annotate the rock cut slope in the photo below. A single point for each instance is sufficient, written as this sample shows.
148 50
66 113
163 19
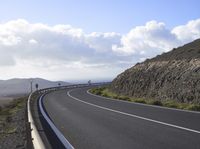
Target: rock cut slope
174 75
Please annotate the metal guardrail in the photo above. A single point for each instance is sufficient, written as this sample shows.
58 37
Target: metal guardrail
29 144
36 139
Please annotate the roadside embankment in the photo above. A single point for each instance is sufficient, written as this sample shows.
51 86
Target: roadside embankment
104 91
13 124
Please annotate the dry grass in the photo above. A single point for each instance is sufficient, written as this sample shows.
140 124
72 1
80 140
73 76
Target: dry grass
104 91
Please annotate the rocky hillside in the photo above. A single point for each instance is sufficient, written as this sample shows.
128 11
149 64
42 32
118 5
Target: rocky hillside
174 75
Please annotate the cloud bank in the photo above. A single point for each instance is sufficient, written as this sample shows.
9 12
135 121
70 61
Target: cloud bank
65 52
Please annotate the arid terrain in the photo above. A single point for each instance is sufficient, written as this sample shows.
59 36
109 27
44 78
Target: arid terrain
174 75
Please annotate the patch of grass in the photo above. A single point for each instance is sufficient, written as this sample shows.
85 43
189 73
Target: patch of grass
193 107
7 112
123 98
97 91
171 104
156 102
4 111
104 91
17 104
139 100
10 130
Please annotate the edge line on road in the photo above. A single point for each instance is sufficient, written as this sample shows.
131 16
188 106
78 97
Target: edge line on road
132 115
61 137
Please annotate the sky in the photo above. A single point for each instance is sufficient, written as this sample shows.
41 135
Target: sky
90 39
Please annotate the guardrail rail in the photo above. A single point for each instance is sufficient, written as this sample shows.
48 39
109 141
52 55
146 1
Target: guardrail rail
37 142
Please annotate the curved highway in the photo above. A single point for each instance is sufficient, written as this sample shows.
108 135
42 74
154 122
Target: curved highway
92 122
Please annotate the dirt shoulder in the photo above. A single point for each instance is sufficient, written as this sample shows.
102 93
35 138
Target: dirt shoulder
13 123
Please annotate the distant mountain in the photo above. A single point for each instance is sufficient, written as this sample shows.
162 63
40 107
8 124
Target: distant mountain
17 86
173 75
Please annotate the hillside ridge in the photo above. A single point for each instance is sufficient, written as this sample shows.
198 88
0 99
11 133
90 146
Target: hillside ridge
17 86
174 75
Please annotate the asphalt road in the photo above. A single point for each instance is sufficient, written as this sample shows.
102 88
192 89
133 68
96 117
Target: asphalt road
91 122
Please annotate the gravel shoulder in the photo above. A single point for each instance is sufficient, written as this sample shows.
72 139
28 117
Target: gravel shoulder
13 123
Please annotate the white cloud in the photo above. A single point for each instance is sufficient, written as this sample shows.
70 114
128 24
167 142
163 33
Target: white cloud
33 41
188 32
102 42
146 41
9 40
65 52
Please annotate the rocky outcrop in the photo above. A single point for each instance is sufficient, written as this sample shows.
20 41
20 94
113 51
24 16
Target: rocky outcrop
174 75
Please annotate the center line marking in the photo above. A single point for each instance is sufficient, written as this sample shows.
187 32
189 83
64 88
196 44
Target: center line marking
132 115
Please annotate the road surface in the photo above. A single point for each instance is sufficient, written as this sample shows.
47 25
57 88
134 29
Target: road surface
91 122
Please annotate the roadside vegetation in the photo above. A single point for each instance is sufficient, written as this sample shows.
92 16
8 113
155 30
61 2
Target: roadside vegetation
104 91
8 114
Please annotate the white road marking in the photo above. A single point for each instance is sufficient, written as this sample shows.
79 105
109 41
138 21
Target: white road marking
132 115
60 136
